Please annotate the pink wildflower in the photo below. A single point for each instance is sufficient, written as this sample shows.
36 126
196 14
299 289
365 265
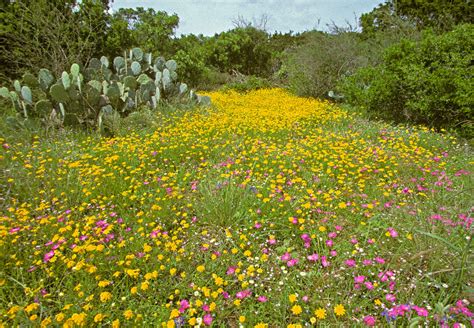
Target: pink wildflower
48 256
359 279
350 263
369 321
207 319
292 262
262 299
313 257
390 298
286 257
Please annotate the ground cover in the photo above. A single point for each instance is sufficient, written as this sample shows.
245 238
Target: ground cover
267 209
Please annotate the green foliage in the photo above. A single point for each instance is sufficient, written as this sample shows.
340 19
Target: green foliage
50 34
245 50
191 67
313 68
429 82
248 83
385 19
54 34
144 28
210 62
441 15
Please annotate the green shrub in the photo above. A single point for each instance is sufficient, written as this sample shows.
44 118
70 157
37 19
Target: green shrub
248 83
244 49
314 68
427 82
212 79
191 66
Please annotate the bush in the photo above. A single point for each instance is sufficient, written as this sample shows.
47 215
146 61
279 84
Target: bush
191 67
50 34
427 82
248 83
314 68
245 50
212 79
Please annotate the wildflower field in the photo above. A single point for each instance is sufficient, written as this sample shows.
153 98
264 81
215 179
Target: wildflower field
265 210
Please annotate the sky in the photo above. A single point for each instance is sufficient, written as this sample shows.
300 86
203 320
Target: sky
213 16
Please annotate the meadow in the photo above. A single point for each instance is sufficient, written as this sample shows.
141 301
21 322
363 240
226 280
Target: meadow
264 210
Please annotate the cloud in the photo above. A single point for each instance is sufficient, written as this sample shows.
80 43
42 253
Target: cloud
213 16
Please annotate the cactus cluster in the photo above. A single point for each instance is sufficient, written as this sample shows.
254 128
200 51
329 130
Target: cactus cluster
85 94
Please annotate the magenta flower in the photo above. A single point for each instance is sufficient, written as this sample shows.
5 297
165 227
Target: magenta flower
13 230
350 263
207 319
231 270
240 295
243 294
272 241
292 262
393 233
390 298
369 321
324 261
262 299
286 257
391 285
369 285
48 256
183 306
313 257
359 279
379 260
306 237
422 312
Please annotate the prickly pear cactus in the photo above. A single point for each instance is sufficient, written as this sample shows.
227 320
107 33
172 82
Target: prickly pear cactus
85 94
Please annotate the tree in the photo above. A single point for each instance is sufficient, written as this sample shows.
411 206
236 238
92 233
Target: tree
246 50
191 53
144 28
439 14
442 15
50 34
259 23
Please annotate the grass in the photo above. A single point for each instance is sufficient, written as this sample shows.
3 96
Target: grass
266 209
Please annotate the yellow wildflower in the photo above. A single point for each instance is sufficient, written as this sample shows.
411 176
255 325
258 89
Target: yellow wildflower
339 310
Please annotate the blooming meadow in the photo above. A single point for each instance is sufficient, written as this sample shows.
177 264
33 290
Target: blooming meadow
266 210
